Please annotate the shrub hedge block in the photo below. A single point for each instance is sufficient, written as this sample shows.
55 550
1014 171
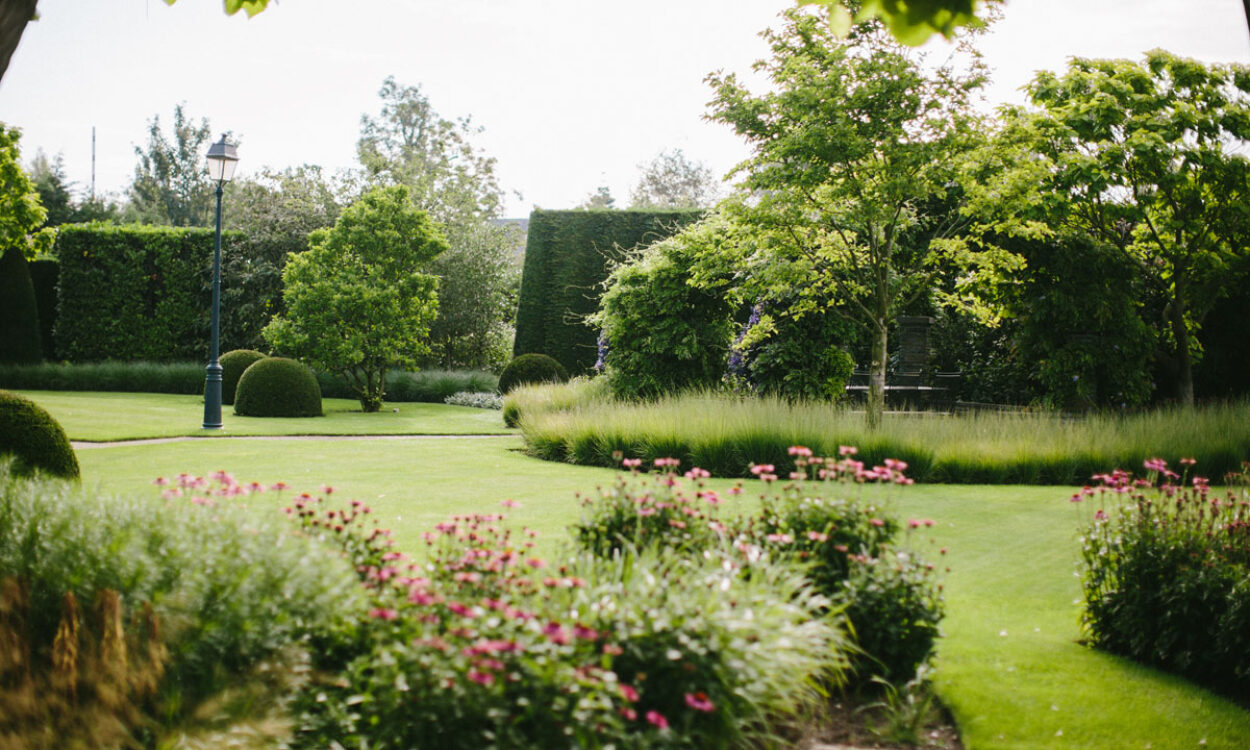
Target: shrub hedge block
19 315
33 439
134 292
568 255
44 275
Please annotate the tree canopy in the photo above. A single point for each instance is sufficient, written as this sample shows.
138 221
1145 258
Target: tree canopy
358 301
849 189
670 180
171 185
21 213
1142 157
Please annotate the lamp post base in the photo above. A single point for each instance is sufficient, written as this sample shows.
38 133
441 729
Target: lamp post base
212 397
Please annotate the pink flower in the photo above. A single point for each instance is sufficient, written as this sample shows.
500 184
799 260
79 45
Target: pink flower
510 504
629 693
482 678
798 450
676 524
279 486
460 609
657 719
876 522
556 633
383 613
631 463
847 450
160 481
817 536
780 538
700 702
758 469
585 633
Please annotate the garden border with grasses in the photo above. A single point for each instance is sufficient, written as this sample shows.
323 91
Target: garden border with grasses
580 423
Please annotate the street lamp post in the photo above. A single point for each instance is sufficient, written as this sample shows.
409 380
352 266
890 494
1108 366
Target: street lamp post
222 158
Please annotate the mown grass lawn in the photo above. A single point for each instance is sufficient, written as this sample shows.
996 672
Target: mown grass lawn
131 416
1010 667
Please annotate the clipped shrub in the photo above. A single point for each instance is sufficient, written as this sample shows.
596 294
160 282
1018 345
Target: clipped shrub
277 387
34 439
1166 573
233 363
127 613
20 341
531 368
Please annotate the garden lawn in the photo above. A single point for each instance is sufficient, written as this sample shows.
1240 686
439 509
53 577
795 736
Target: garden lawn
1009 668
131 416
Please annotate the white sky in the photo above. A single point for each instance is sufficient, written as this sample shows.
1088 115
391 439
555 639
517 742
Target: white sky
572 94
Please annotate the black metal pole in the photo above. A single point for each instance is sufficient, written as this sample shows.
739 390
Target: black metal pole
212 379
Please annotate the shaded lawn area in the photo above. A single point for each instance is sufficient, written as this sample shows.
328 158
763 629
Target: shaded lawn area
1009 668
131 416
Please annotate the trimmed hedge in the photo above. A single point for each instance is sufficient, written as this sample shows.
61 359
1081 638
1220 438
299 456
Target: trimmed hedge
531 368
568 255
278 387
19 315
44 275
133 292
34 439
233 364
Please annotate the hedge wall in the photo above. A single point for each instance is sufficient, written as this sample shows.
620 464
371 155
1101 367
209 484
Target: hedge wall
43 274
19 316
134 292
567 258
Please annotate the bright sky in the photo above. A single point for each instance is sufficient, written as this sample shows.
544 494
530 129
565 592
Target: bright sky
572 94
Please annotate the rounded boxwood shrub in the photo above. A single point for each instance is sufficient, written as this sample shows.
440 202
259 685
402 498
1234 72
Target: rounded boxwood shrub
34 439
531 368
277 387
233 363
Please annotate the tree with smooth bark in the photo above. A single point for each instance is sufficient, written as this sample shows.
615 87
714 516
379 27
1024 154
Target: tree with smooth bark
849 192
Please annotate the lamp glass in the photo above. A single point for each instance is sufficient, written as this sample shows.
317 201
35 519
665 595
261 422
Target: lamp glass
222 158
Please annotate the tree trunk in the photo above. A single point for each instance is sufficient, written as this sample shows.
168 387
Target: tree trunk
876 375
14 14
1184 362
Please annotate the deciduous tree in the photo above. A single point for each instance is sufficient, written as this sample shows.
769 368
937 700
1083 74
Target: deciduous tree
1143 157
171 185
671 180
849 189
359 301
21 214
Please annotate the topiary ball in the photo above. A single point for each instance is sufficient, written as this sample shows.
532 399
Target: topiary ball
277 387
34 439
531 368
233 363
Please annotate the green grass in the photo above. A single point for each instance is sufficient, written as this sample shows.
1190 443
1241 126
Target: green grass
1010 667
131 416
724 433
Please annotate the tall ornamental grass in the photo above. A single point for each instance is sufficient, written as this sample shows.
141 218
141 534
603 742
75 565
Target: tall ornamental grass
723 433
119 616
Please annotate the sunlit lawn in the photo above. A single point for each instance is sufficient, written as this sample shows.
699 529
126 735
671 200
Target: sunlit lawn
1010 667
129 416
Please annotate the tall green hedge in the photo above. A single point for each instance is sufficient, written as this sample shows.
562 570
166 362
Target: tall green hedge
567 259
19 316
43 275
134 292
